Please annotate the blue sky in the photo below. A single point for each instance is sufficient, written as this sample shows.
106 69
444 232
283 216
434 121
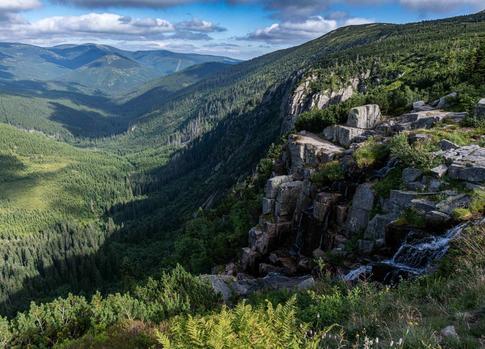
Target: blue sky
237 28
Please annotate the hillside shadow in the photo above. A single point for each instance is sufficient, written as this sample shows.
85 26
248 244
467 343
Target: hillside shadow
87 259
83 123
10 167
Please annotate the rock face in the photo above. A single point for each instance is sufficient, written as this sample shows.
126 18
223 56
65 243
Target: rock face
480 108
343 135
305 99
362 204
308 149
466 163
366 116
360 121
419 119
229 287
304 219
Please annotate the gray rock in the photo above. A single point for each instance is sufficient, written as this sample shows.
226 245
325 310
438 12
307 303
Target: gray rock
440 170
453 202
249 258
306 148
467 172
221 285
480 108
341 214
402 199
410 174
365 246
230 287
447 145
421 106
449 332
366 116
418 137
416 186
422 205
362 204
377 226
268 206
437 219
273 184
467 163
342 135
445 101
323 204
287 198
434 185
418 104
259 240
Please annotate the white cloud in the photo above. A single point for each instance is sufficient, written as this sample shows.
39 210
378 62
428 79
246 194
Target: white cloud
197 25
103 26
358 20
127 3
289 32
105 23
441 5
18 5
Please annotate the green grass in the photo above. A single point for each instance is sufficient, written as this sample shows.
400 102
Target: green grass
43 181
370 153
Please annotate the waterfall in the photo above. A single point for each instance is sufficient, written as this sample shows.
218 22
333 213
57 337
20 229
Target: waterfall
413 259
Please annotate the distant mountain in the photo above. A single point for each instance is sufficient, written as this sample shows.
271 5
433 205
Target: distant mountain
110 70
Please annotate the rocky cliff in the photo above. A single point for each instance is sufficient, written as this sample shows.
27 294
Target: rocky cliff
324 202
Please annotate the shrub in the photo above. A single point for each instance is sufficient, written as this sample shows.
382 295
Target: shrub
392 180
370 153
241 327
419 155
327 173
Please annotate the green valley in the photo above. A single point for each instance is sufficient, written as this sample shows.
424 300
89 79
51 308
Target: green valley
153 199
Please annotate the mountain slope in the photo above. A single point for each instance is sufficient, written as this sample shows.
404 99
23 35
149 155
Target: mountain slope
111 70
197 144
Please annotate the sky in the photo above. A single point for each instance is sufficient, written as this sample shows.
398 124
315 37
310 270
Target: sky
236 28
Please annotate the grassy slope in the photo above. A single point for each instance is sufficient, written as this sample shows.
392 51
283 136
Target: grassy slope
43 182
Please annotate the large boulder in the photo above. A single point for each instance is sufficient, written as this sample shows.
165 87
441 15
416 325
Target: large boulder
259 240
308 149
342 135
323 204
376 229
480 108
445 101
451 203
366 116
287 198
466 163
273 184
229 287
362 204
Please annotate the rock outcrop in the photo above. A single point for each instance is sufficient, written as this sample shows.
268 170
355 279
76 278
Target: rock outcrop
229 287
302 221
305 98
360 121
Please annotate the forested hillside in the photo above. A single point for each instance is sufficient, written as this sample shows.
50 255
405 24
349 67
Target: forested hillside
109 70
174 173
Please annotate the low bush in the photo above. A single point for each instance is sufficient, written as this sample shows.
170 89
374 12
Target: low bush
328 173
419 154
370 153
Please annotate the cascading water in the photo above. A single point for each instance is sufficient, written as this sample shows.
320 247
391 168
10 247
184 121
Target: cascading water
413 259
